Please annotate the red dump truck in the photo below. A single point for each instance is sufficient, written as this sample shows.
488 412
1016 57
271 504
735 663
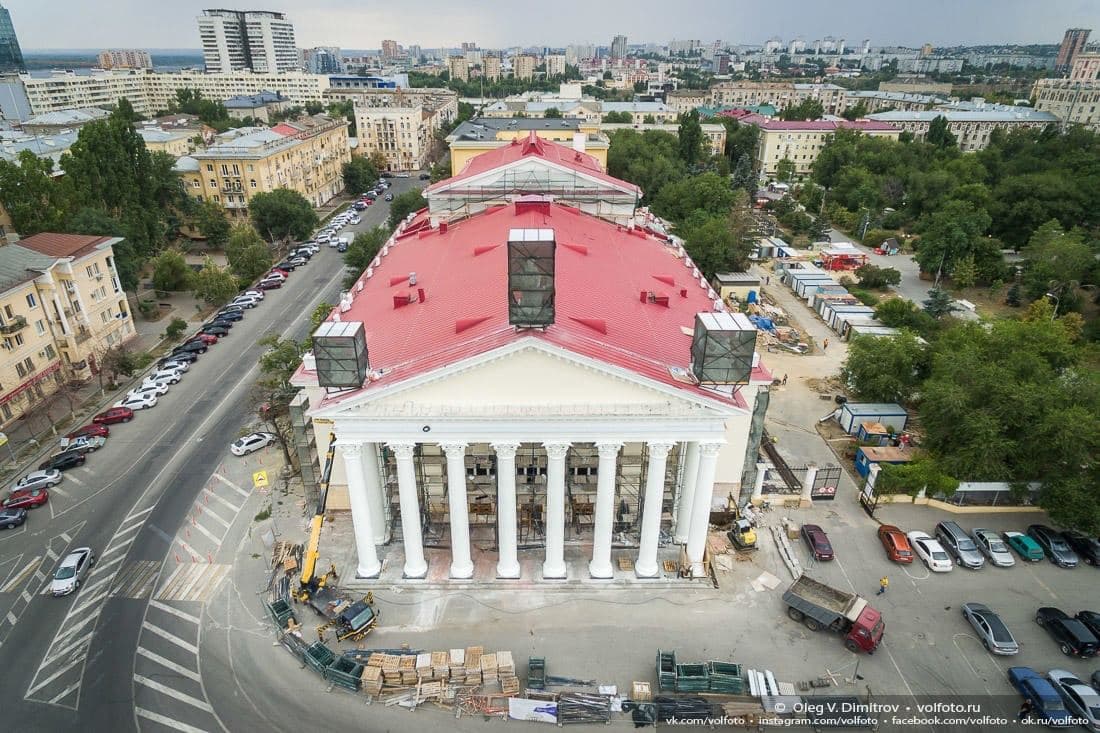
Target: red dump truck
819 606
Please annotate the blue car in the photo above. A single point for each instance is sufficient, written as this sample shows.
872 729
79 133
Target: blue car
1047 703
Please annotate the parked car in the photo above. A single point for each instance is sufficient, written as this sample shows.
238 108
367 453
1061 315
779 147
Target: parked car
1072 636
39 480
168 375
323 237
276 272
1025 547
221 323
342 247
1091 620
959 544
114 415
271 284
931 553
72 571
991 545
288 266
12 518
1080 699
1087 548
386 174
137 402
252 442
26 499
895 543
253 293
402 174
63 461
207 338
389 197
991 629
216 329
358 206
235 313
425 176
175 364
190 347
355 220
87 444
817 542
152 390
1054 545
90 429
1046 703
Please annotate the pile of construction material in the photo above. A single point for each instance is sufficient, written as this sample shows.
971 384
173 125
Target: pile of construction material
433 673
583 707
713 676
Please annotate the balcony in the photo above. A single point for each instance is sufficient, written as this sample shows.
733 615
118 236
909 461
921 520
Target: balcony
13 326
83 336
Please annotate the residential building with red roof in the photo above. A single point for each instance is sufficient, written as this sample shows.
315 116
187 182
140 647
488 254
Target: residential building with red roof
801 141
500 374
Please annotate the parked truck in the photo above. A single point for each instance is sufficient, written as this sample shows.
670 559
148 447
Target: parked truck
819 606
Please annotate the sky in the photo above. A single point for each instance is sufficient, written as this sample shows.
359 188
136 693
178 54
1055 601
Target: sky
362 24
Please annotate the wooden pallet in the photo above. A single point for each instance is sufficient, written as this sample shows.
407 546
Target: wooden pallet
625 563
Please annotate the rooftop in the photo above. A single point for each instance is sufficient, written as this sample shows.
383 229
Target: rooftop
19 265
458 306
486 128
54 244
999 113
157 135
51 146
778 125
76 117
251 101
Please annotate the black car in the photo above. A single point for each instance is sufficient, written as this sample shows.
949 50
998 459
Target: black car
183 356
342 247
12 518
1087 547
288 265
425 176
190 347
220 330
358 206
229 315
386 174
1091 620
1054 545
63 461
1073 636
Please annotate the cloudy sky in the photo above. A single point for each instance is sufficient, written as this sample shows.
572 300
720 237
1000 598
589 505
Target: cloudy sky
360 24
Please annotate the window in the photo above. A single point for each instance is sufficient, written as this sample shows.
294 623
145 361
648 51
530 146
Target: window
18 338
50 353
40 327
225 169
9 312
105 315
216 199
209 168
7 411
252 183
32 301
213 183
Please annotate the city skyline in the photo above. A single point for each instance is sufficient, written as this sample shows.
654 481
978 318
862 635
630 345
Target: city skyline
435 23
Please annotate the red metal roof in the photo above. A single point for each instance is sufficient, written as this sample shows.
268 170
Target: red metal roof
534 146
458 306
63 245
284 129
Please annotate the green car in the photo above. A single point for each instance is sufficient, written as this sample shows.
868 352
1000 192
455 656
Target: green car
1024 546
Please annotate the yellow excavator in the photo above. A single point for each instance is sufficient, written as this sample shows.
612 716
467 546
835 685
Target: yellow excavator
743 534
309 583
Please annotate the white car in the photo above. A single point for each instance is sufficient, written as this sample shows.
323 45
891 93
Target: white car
72 571
165 376
245 302
175 366
137 402
39 480
251 442
275 275
152 390
1082 700
323 237
931 552
254 293
401 175
355 220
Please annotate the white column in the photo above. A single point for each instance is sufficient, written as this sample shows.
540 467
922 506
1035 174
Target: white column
600 567
687 493
374 492
415 566
808 485
461 564
368 565
554 565
758 487
700 508
508 560
646 566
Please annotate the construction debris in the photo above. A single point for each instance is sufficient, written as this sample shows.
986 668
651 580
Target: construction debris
583 707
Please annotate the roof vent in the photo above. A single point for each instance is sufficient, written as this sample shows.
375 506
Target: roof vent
722 348
412 278
340 352
531 277
648 296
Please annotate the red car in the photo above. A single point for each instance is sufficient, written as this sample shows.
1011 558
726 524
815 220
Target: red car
817 541
115 414
278 271
895 543
92 430
270 284
26 499
206 338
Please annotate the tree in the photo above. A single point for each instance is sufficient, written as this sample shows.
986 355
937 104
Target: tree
211 222
29 194
1055 257
173 330
879 278
364 248
708 192
939 133
855 112
903 313
273 391
378 159
248 254
885 368
552 113
282 214
618 118
807 109
114 362
742 176
821 228
709 241
965 273
170 271
952 233
359 175
920 475
691 138
649 120
743 231
939 304
404 204
784 170
214 284
318 316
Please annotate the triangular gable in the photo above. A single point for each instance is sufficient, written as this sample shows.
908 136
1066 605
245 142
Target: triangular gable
533 173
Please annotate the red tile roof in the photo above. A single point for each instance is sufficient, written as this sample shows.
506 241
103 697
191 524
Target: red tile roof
458 307
63 245
534 146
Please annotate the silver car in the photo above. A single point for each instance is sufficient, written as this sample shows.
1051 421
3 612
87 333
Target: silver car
72 571
993 547
991 629
39 480
1080 699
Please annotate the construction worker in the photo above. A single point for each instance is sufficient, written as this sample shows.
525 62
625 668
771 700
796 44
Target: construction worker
883 584
825 345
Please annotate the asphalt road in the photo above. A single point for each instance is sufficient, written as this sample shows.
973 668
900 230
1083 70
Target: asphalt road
71 661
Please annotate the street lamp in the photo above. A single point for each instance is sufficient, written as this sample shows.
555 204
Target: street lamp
1057 302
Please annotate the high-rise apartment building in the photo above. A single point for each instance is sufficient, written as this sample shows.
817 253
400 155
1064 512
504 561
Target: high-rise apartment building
258 40
468 46
618 47
390 49
11 56
555 65
322 60
1073 43
490 67
579 52
459 68
523 66
124 59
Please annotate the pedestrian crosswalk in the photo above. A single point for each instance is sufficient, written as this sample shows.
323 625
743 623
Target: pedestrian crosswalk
192 582
136 579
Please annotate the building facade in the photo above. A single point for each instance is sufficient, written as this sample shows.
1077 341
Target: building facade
483 134
402 134
322 60
233 40
1072 102
128 58
523 66
800 142
1086 67
306 156
256 106
618 47
1073 43
490 67
11 55
459 68
176 143
778 94
970 123
555 65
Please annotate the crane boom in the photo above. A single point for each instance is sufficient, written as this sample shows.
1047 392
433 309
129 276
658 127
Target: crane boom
308 582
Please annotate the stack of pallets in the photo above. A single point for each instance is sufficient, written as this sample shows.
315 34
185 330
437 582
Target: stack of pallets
440 669
725 677
371 680
509 685
666 670
488 669
407 666
692 678
424 666
457 666
473 665
391 675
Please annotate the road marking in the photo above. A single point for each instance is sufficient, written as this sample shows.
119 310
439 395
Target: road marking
232 507
69 647
65 537
188 548
53 677
170 637
175 612
137 580
166 690
84 602
128 530
231 485
26 596
64 693
80 625
207 511
51 554
193 582
210 535
72 478
111 549
137 515
166 721
12 619
169 664
59 492
18 579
